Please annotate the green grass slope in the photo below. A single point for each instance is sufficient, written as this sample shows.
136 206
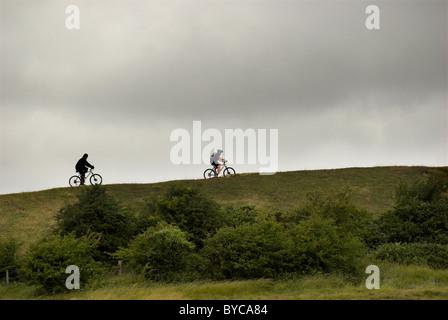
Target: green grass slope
28 216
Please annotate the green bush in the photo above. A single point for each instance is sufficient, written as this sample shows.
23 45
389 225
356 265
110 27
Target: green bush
46 261
322 236
159 252
8 256
96 212
192 211
337 206
248 251
240 215
321 246
428 254
425 190
420 213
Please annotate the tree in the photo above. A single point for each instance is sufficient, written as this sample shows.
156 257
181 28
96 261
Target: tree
420 213
321 246
8 256
158 252
337 206
249 251
46 261
192 211
96 212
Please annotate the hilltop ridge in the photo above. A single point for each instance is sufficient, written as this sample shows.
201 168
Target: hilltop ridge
29 215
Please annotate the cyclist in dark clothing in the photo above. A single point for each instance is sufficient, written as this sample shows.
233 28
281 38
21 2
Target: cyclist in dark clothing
81 167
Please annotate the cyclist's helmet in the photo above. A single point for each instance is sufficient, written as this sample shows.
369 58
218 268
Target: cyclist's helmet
220 151
85 155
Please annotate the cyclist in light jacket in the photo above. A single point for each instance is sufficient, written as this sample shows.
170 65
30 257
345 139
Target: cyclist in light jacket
215 158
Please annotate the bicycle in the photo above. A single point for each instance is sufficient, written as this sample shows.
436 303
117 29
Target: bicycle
95 178
226 172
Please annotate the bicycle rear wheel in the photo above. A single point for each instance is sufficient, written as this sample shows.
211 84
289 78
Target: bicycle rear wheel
210 173
96 179
229 172
74 181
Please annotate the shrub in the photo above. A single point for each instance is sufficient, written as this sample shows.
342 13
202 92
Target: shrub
240 215
420 213
320 245
192 211
46 261
8 256
427 189
428 254
96 212
159 252
248 251
337 206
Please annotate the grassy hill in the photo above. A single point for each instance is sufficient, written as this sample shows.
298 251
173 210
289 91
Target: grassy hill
27 216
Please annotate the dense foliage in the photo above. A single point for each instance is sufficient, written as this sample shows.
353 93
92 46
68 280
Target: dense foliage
420 213
320 245
96 212
158 252
46 261
426 254
192 211
184 233
249 251
8 257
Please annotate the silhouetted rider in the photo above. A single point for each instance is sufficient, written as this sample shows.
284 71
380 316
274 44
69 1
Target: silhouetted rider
81 167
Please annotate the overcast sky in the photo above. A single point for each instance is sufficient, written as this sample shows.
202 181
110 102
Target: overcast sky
339 94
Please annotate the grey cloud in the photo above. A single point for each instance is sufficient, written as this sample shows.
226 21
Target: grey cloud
202 58
338 93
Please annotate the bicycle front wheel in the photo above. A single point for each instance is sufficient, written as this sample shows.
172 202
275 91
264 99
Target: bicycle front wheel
96 179
209 173
229 172
74 181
